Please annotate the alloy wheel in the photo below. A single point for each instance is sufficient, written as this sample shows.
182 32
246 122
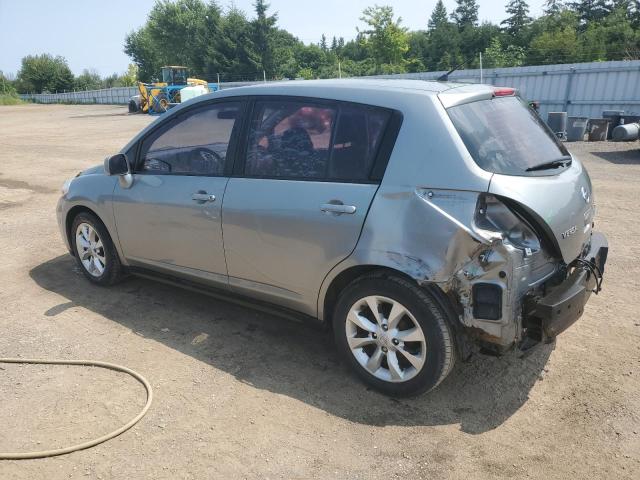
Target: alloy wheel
90 249
386 339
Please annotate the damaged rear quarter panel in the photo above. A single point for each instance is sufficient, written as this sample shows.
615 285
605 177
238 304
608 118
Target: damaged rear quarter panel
431 236
417 224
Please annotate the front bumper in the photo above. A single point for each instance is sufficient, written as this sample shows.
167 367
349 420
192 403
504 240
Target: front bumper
563 304
61 211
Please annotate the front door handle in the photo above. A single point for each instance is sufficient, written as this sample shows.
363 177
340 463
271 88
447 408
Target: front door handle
338 208
203 197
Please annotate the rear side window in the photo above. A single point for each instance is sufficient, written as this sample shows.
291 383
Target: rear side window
302 140
505 136
194 144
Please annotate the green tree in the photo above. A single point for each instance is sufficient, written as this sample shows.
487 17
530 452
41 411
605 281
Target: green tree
240 61
496 56
6 86
518 18
553 7
465 14
613 38
634 13
439 16
284 46
140 46
323 43
44 73
384 38
184 32
557 46
476 40
355 49
130 77
263 30
442 48
417 56
88 80
591 10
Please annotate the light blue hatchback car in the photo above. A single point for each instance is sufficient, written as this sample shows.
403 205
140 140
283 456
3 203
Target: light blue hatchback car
418 220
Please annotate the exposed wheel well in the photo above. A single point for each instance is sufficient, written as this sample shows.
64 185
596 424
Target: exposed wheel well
345 278
71 215
448 304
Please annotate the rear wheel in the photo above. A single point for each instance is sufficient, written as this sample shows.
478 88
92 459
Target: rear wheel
94 250
394 335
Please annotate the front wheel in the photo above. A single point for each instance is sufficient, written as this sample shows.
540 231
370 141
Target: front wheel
94 250
394 335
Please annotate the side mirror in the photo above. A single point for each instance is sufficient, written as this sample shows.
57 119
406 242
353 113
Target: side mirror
116 164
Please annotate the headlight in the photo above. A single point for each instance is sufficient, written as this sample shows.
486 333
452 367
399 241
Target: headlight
66 185
495 216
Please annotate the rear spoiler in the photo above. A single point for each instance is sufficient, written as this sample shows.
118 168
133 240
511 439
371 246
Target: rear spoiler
473 93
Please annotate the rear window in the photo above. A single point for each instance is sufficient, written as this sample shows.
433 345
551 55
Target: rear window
505 136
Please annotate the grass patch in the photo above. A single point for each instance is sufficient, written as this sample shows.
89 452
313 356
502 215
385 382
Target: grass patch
10 100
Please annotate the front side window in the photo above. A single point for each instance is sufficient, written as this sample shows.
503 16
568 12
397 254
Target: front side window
194 144
301 140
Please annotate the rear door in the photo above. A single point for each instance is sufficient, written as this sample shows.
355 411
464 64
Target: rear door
170 218
299 196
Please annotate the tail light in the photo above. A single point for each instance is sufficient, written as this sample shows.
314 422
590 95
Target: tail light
504 92
493 215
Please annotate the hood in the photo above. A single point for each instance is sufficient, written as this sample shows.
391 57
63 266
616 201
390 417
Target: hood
562 203
98 169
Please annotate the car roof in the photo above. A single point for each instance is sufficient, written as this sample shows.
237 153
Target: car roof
338 87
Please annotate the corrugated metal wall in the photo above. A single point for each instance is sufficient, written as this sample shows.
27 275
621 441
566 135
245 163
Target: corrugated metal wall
581 89
107 96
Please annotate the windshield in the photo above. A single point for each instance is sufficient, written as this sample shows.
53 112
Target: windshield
504 135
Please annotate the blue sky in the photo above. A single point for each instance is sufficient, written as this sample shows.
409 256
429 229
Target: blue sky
90 33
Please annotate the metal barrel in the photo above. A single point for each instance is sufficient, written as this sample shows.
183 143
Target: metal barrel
626 133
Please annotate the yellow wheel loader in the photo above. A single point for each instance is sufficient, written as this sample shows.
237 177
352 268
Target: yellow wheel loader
176 87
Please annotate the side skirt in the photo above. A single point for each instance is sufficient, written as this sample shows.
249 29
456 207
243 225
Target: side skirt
227 296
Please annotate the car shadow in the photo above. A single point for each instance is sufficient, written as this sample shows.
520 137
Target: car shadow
100 115
293 359
621 157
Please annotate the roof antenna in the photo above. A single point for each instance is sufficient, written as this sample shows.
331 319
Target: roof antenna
445 77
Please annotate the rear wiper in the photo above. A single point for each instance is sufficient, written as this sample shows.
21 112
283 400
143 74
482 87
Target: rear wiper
561 162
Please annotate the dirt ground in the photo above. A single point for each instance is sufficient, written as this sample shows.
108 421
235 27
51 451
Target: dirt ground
240 394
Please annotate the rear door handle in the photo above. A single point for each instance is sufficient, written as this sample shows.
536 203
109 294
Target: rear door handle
338 208
203 197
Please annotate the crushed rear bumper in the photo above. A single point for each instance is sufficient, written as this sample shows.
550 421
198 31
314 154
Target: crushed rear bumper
563 304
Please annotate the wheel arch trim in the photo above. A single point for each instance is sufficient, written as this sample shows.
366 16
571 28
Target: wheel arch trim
347 271
78 208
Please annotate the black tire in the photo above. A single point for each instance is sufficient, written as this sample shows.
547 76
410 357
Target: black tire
160 103
113 270
428 313
133 106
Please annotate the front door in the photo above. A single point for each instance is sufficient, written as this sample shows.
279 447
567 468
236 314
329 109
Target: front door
170 218
298 205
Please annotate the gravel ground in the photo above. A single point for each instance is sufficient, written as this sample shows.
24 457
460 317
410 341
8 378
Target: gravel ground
240 394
